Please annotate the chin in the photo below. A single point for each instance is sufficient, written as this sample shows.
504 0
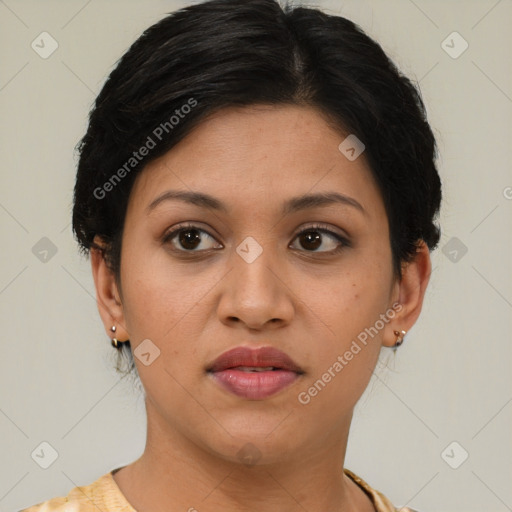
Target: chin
260 444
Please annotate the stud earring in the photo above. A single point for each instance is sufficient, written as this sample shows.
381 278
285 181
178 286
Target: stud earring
115 342
399 338
114 339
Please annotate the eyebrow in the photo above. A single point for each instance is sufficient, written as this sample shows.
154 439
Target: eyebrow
292 205
318 200
196 198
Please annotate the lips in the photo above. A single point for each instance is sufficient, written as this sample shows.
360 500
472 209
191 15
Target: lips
263 357
254 374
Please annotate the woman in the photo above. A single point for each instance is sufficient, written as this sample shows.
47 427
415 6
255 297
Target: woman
257 190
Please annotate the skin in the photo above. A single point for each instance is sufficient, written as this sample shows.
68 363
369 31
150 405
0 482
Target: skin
296 296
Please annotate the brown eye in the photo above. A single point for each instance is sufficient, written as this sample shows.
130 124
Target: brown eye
310 240
313 238
190 239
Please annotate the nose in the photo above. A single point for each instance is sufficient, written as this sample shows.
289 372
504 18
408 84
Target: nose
256 293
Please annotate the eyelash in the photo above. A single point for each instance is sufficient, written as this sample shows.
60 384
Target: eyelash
315 227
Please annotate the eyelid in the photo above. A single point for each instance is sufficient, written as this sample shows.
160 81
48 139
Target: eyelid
343 239
168 235
326 228
316 226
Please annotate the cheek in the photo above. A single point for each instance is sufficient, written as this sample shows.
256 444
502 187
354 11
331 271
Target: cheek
162 299
346 352
152 300
347 301
347 309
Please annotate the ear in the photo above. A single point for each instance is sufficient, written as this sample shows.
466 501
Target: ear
409 294
108 297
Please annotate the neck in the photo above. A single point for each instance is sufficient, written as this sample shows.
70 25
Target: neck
175 473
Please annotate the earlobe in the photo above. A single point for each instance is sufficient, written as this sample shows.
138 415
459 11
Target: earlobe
108 297
411 292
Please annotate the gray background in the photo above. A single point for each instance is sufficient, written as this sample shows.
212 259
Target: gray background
450 381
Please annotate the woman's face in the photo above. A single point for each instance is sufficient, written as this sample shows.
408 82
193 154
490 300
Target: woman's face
240 274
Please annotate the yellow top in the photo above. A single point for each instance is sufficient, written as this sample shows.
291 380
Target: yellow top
104 495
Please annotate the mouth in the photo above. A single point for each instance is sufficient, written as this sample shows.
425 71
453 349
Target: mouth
254 374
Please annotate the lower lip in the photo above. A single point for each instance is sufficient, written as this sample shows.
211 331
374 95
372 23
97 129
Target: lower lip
254 385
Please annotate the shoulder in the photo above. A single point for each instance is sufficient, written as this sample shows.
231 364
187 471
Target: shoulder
102 494
381 503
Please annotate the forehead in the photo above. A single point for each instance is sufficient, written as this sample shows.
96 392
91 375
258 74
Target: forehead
259 155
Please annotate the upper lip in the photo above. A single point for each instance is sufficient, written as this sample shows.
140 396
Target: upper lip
254 357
